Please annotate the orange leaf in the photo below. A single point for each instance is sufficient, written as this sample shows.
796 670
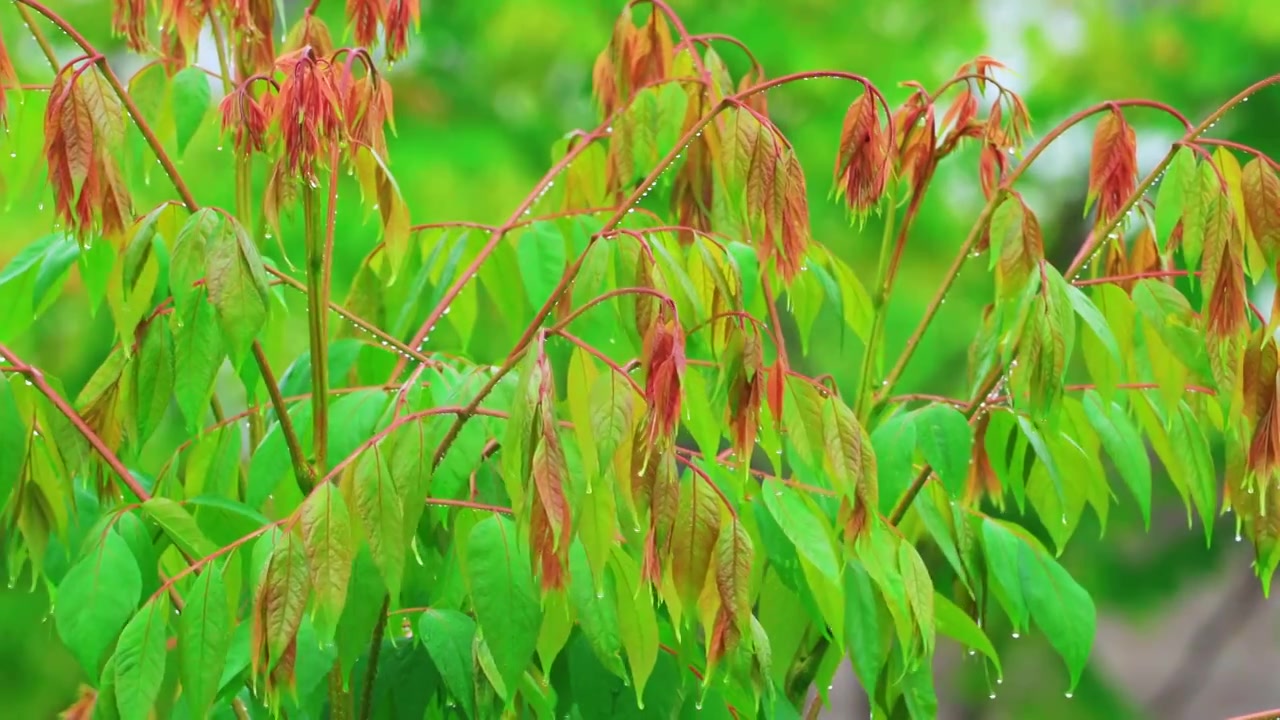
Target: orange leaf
129 20
1262 204
1113 168
1222 272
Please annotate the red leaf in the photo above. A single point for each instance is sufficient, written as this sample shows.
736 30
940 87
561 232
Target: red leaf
862 162
246 119
746 392
1113 169
401 15
8 80
664 362
363 18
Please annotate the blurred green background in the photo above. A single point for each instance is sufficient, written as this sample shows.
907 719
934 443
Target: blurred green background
490 85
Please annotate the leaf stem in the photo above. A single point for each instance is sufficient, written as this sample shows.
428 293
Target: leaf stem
36 378
301 468
375 649
984 217
317 327
879 303
1082 257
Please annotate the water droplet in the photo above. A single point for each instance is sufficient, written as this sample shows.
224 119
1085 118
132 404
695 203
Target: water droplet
972 653
13 154
599 594
1069 695
992 696
219 148
1016 636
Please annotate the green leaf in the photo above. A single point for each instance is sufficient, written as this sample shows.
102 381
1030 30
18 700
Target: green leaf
382 514
181 528
868 636
1060 607
506 603
1179 180
447 636
327 534
955 623
95 600
596 610
153 377
205 629
140 660
199 353
637 621
192 97
804 527
237 286
1003 551
1124 446
541 256
919 589
282 594
946 440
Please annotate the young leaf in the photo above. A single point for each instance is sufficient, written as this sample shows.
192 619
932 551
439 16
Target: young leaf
140 660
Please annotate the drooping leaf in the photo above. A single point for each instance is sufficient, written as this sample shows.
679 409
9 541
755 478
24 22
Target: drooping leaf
180 526
205 629
500 578
140 660
946 440
96 598
327 533
381 514
448 636
192 97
